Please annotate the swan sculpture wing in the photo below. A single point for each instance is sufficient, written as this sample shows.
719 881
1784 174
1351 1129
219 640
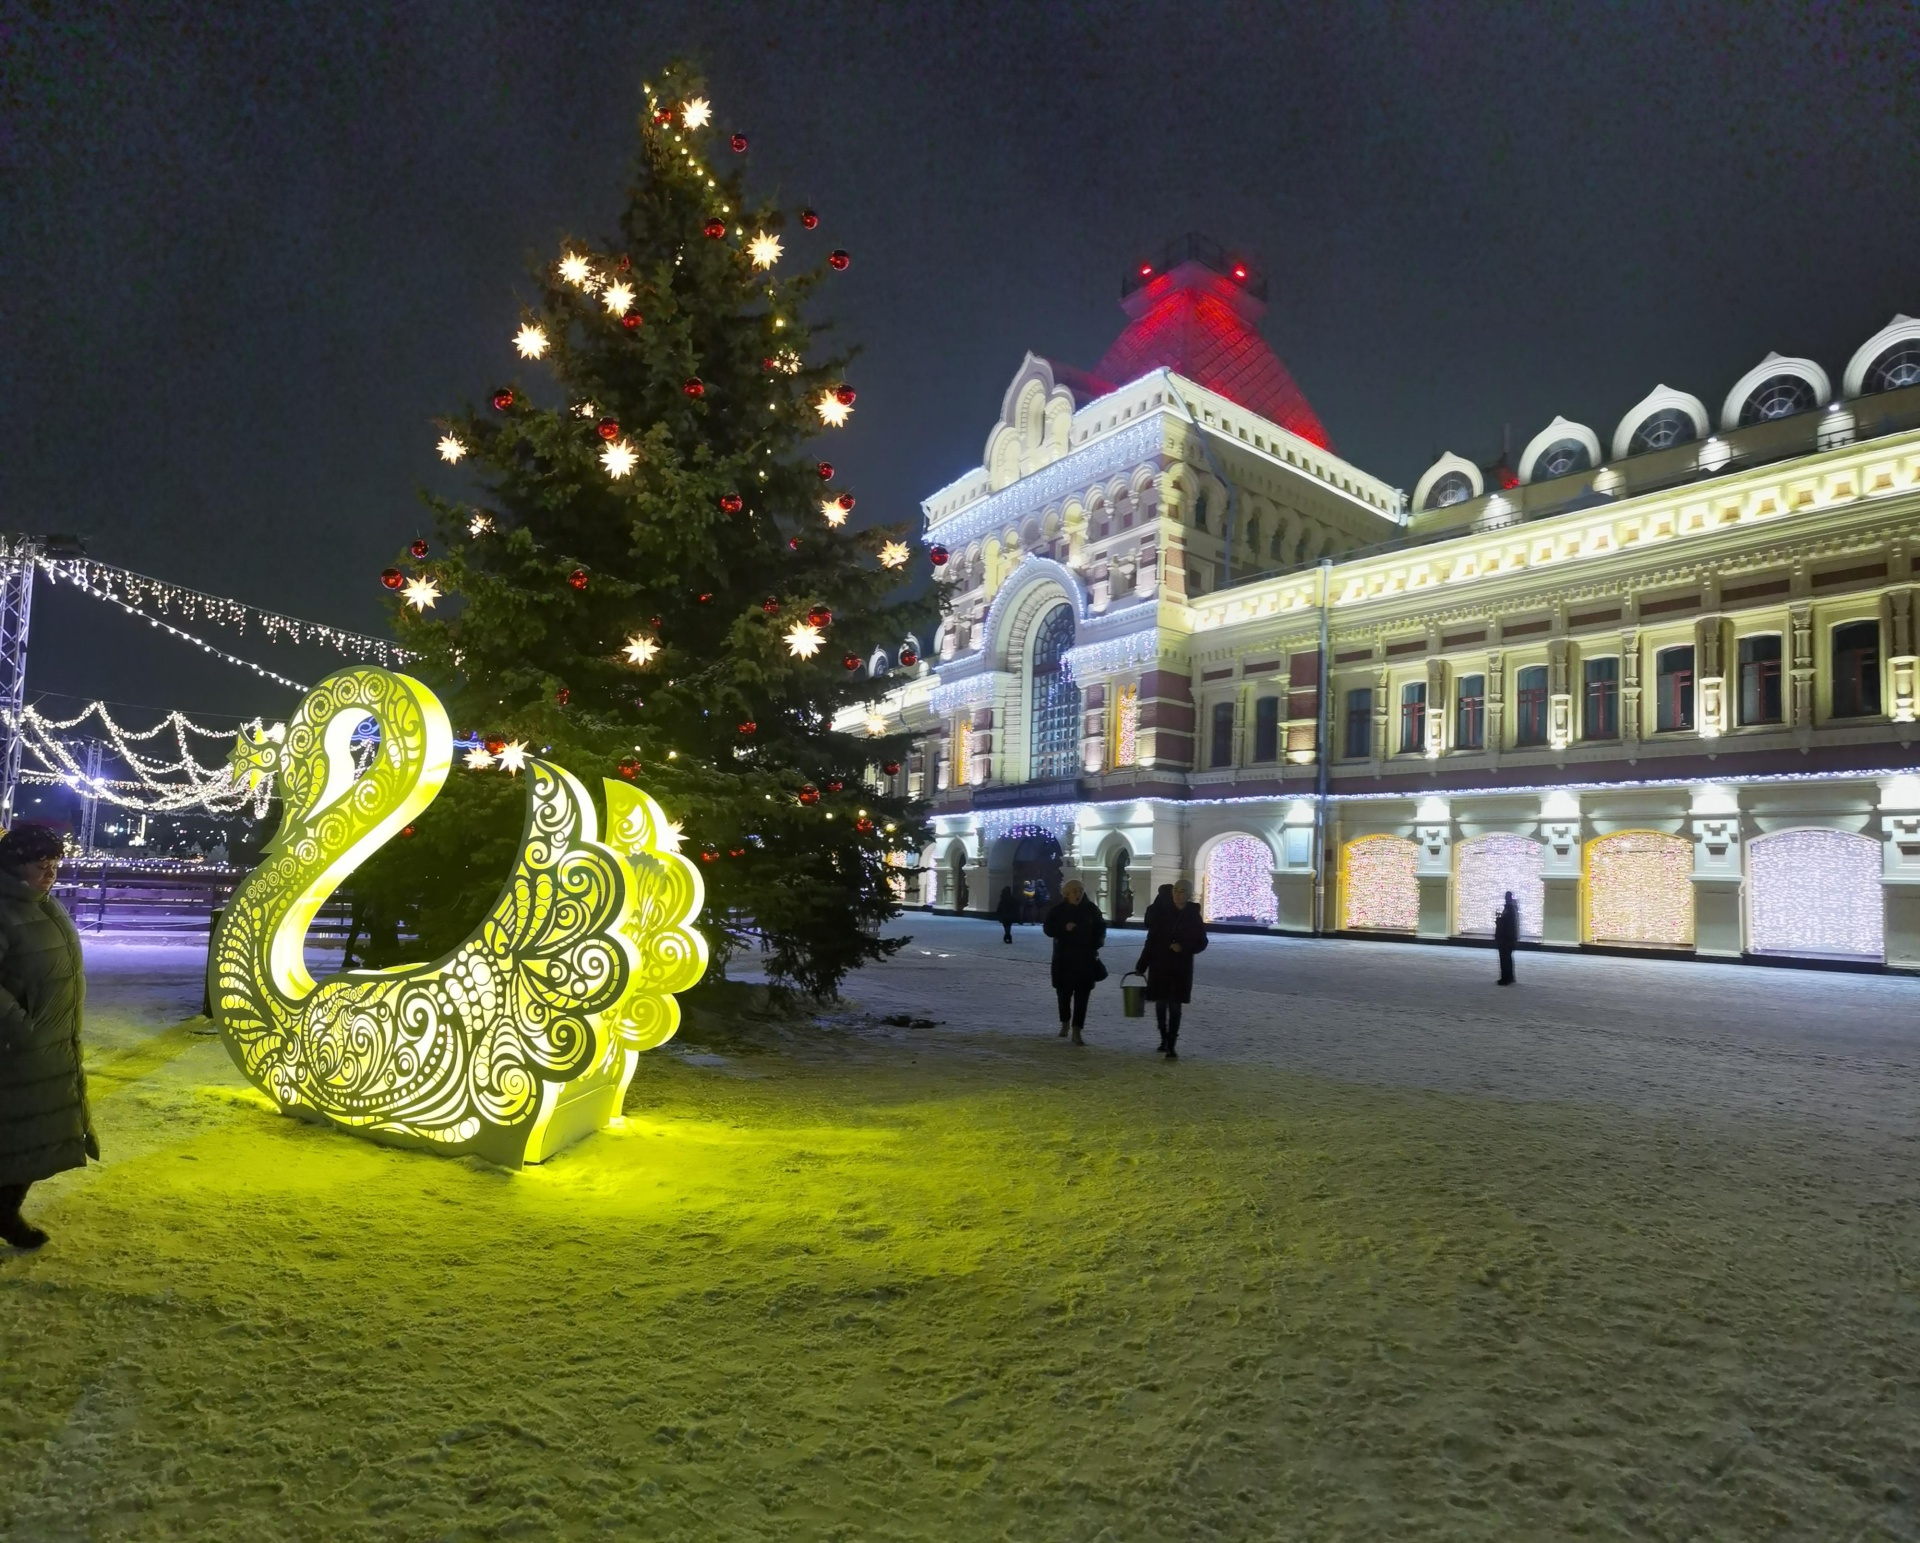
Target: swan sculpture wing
520 1040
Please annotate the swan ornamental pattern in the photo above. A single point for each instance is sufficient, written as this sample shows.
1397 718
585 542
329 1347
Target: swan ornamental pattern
519 1041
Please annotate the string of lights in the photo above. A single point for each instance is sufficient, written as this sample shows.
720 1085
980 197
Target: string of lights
137 590
156 786
88 588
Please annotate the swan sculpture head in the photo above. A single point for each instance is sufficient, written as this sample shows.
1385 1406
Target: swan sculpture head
519 1041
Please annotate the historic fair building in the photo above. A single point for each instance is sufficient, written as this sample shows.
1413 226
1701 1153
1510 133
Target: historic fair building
1659 680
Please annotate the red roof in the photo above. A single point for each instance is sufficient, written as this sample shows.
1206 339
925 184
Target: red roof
1199 324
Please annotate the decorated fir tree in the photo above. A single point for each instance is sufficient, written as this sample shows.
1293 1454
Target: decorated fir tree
657 581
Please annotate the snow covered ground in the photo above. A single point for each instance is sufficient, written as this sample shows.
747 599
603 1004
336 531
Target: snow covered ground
1625 1252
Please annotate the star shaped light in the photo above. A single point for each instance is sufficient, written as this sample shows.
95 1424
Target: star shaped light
531 340
479 524
669 837
640 649
893 555
451 449
421 593
876 725
764 249
618 457
833 412
619 298
478 759
804 640
576 271
697 114
787 362
513 757
832 513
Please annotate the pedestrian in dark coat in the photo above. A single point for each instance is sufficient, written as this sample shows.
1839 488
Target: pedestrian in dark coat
45 1126
1506 936
1007 913
1175 933
1078 930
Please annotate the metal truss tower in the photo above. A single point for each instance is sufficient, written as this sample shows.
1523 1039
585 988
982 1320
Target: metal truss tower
18 556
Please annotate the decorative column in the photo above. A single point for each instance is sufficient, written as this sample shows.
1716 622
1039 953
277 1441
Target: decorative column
1897 622
1800 672
1709 655
1559 689
980 747
1630 688
1561 838
1436 700
1433 868
1715 822
1496 702
1382 717
1093 741
1293 877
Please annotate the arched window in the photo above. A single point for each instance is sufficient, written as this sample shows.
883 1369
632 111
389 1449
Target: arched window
1239 882
1454 488
1662 431
1815 892
1056 699
1640 889
1486 870
1562 458
1898 366
1380 887
1778 396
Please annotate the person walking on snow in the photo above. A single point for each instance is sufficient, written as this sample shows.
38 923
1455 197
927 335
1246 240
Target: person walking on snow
1078 930
1506 936
1175 933
45 1126
1007 914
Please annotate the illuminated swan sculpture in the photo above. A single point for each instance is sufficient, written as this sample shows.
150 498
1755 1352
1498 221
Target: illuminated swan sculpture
521 1040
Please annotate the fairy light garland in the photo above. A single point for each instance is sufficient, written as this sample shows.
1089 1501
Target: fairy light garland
156 785
1239 882
1640 889
200 643
1381 892
134 590
1486 868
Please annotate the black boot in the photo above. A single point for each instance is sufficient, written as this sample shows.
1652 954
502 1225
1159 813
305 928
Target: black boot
21 1233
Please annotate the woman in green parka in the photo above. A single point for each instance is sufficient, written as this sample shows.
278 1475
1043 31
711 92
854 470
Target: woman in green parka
44 1123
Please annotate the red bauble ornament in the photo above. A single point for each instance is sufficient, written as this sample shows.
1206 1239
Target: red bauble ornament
563 696
608 428
851 661
770 604
736 851
863 825
845 501
937 555
891 768
629 768
825 468
578 578
631 321
419 549
809 794
654 623
706 598
844 395
495 744
769 364
715 228
708 855
837 260
393 578
908 658
739 143
793 543
732 503
819 616
406 830
835 786
663 117
749 727
502 400
809 219
694 386
625 264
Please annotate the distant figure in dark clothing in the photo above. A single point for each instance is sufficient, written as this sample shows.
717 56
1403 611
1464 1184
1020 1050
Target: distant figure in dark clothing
1162 900
1078 930
960 894
1007 914
1506 936
1175 933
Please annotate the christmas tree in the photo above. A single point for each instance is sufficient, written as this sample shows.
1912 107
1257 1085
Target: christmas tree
658 581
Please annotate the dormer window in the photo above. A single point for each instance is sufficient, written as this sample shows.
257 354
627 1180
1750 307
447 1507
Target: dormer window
1779 396
1454 488
1662 431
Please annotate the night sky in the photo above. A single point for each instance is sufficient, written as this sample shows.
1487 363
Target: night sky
247 253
